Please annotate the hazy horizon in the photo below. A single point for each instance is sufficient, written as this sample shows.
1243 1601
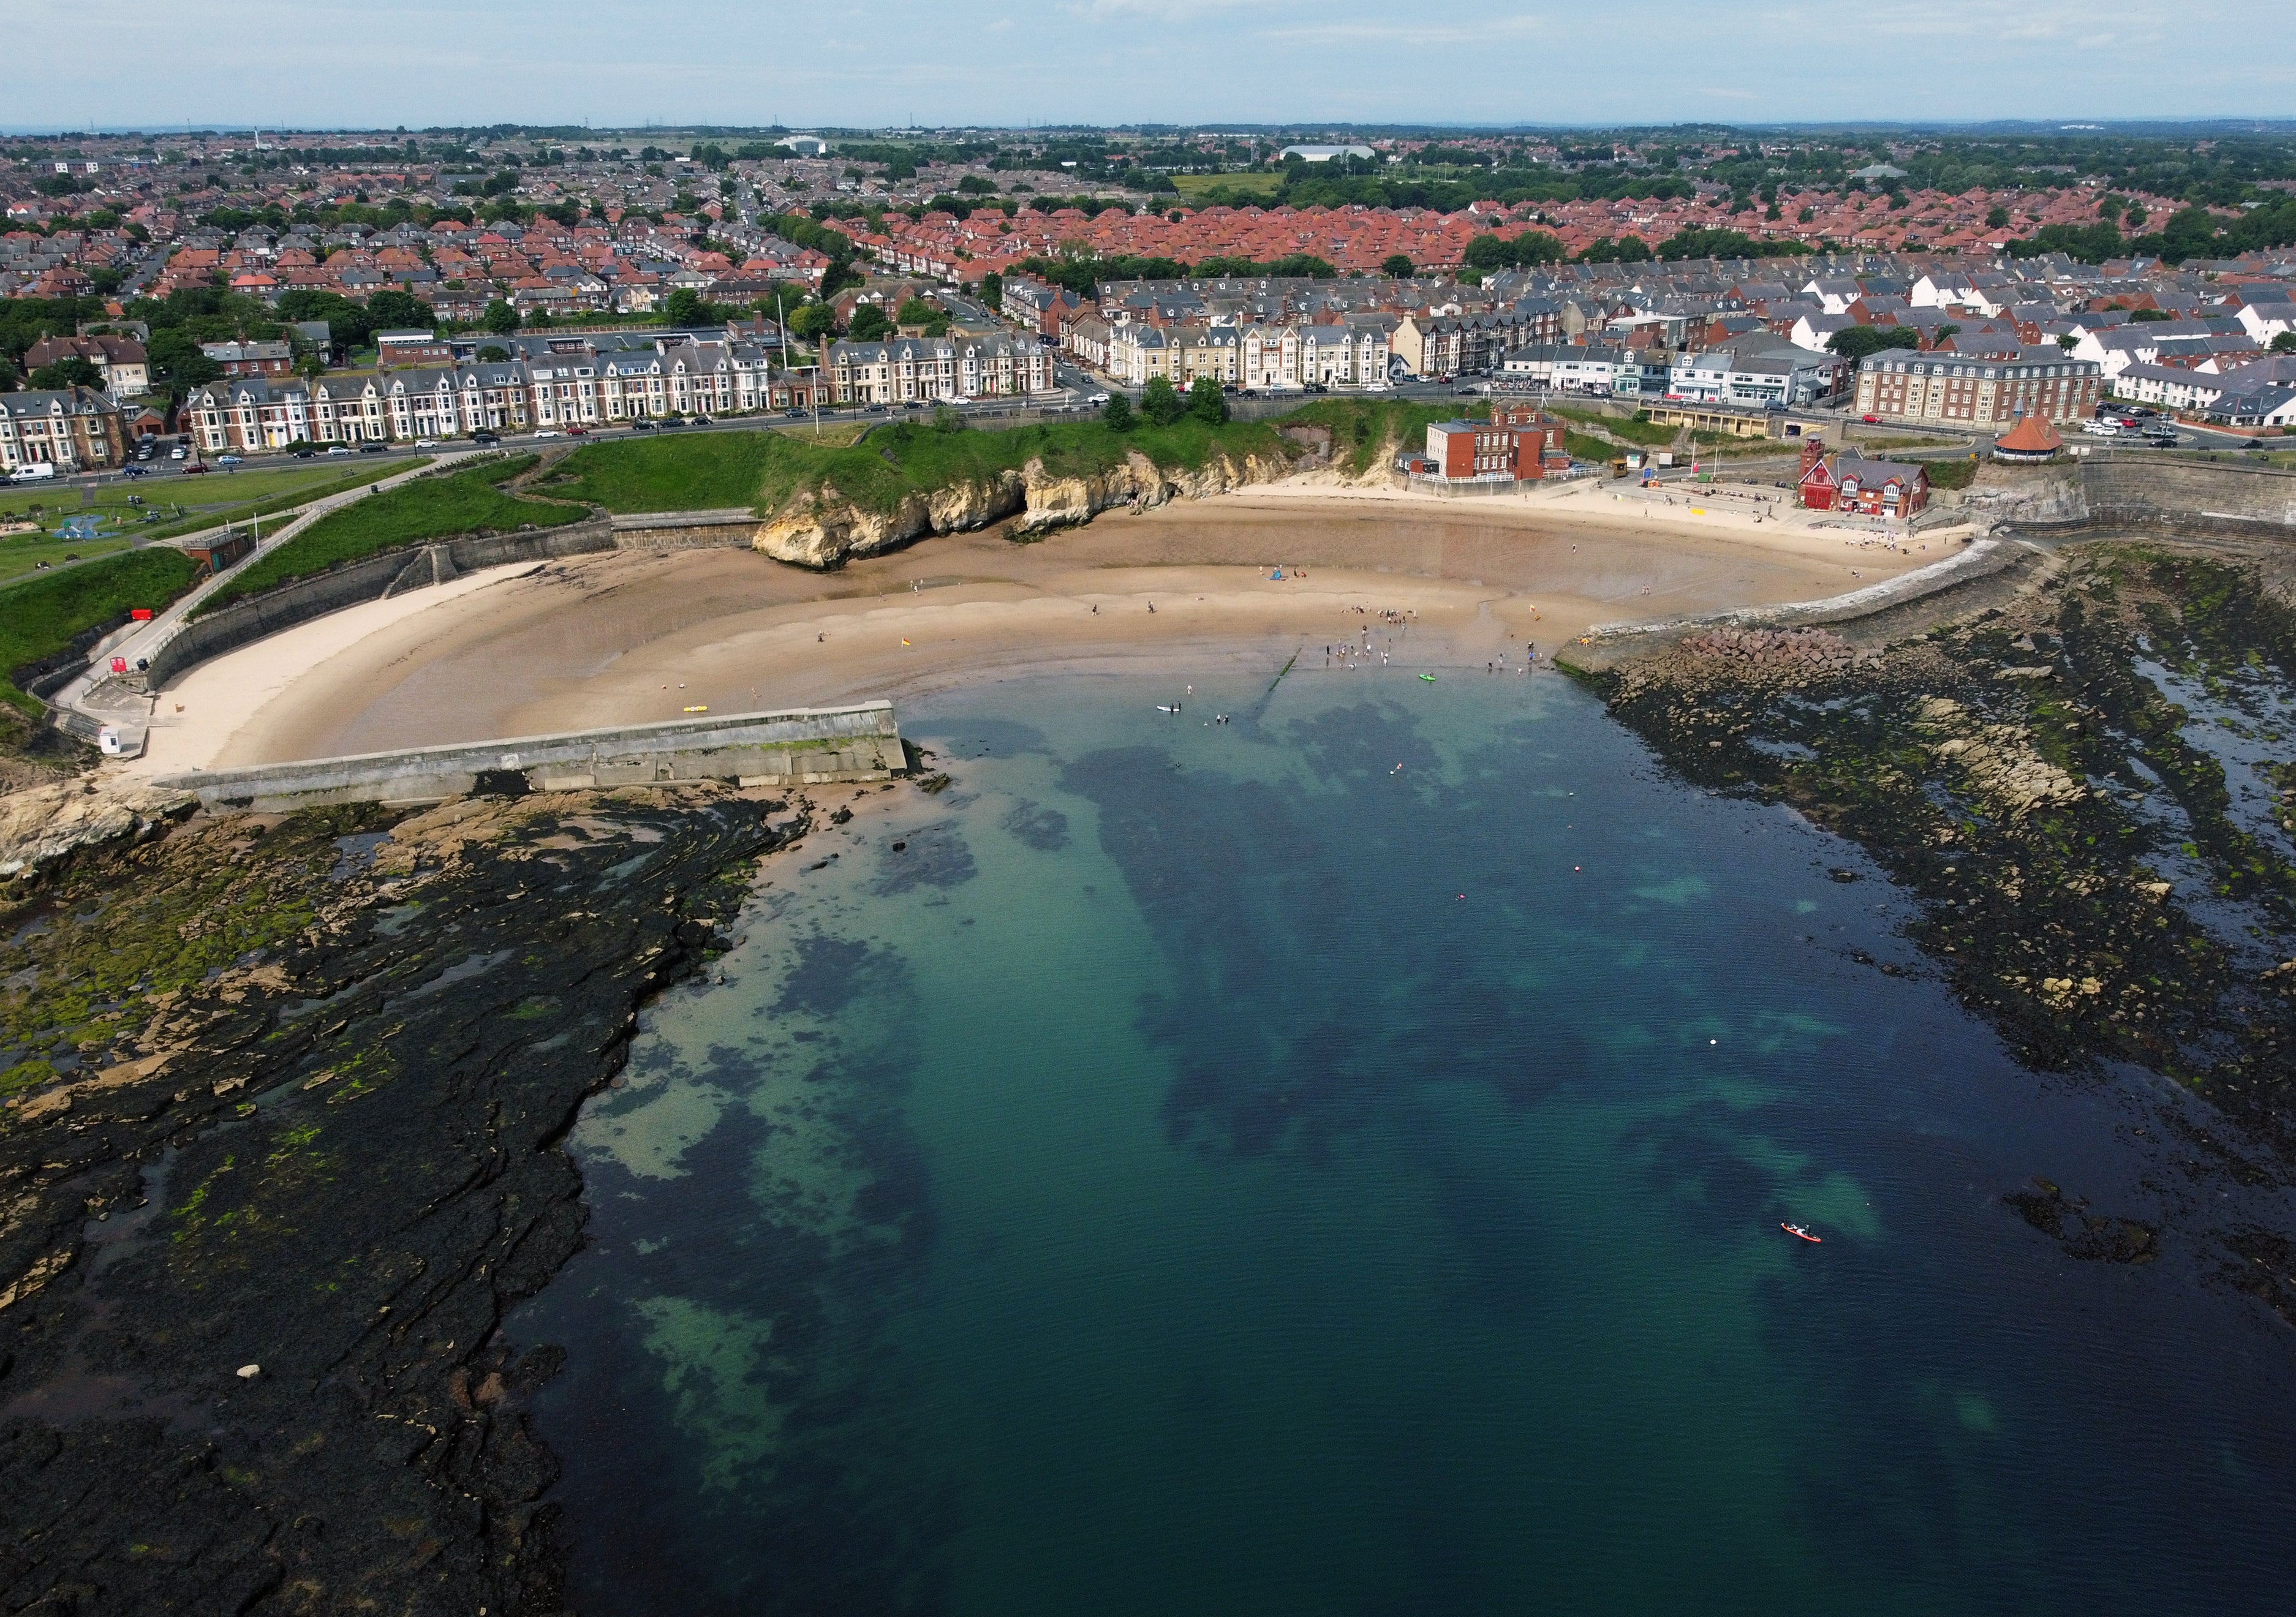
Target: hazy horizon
1113 62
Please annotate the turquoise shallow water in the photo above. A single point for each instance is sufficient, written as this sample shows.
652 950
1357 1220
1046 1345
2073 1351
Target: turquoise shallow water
1213 1169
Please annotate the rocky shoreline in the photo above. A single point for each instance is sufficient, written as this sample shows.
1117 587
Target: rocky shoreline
231 1377
2084 779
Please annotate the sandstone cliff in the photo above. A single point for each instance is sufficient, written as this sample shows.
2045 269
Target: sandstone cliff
823 529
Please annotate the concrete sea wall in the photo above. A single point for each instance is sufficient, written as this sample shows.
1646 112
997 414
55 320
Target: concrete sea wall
2185 496
369 578
802 746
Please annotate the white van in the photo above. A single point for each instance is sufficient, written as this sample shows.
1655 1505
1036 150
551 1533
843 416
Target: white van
35 472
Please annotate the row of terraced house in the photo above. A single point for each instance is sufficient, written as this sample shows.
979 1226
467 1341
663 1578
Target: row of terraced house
554 386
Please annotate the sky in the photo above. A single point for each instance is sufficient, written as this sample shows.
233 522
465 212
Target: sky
326 64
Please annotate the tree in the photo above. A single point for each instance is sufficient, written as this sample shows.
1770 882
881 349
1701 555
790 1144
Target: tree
1857 341
391 308
992 291
500 317
1118 411
811 323
1396 266
1206 402
175 355
1997 219
947 419
2284 343
310 367
1159 402
684 307
868 325
72 370
494 353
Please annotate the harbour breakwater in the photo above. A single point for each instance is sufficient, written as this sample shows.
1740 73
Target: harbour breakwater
801 747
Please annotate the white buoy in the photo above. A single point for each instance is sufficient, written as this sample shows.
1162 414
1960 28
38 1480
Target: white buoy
249 1372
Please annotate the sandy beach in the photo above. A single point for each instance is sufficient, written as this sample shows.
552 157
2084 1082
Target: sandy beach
638 636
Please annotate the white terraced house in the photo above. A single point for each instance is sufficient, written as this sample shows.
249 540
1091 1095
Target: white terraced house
553 388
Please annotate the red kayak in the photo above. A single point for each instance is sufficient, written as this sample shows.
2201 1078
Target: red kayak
1796 1229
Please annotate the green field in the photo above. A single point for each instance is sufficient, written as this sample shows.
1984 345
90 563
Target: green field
764 471
39 617
1252 184
428 508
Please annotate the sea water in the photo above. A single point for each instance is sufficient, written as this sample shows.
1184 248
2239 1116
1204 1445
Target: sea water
1332 1162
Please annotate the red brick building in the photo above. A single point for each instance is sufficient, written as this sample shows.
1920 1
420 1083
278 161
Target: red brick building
1866 488
1516 442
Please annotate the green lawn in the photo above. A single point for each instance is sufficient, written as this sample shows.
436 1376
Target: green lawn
39 617
428 508
763 470
285 499
217 490
24 553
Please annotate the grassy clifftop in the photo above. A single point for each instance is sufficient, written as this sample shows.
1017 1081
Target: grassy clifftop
43 616
764 471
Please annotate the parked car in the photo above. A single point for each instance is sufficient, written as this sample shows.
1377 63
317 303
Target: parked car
229 460
195 468
134 471
339 450
545 432
482 436
178 453
375 447
1871 421
876 409
794 414
577 431
641 425
303 451
426 443
701 421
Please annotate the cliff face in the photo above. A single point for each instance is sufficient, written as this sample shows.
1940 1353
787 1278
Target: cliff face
825 529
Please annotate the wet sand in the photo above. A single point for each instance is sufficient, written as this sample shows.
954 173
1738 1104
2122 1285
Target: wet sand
635 636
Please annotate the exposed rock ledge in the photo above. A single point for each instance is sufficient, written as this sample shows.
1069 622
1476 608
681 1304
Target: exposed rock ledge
825 529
